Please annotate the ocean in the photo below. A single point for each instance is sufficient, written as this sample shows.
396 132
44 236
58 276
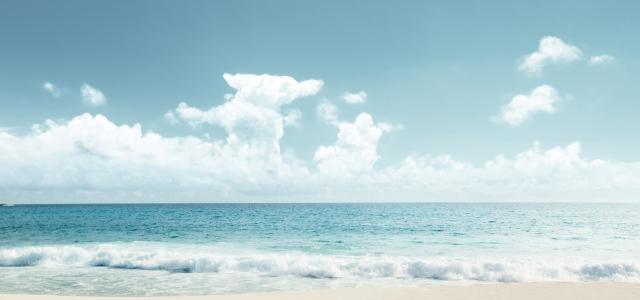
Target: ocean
197 249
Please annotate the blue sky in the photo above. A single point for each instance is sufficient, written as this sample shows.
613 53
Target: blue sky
437 75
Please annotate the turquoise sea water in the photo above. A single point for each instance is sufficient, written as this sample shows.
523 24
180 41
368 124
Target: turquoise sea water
192 249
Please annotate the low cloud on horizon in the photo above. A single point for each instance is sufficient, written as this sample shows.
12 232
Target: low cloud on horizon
90 158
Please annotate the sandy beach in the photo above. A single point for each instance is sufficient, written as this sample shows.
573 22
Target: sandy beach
521 291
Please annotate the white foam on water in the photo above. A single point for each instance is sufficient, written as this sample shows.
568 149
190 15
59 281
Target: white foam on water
187 259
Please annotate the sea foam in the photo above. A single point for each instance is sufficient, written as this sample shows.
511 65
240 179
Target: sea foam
203 260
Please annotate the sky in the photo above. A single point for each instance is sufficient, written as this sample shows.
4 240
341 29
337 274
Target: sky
319 101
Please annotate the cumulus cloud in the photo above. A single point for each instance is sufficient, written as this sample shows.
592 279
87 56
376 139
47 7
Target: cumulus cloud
601 59
355 151
92 153
252 116
550 50
541 99
92 96
555 174
354 98
258 99
90 158
52 89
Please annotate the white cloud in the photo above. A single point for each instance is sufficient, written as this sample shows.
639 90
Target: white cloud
253 115
269 90
550 50
89 158
601 59
328 112
355 151
541 99
292 118
354 98
91 153
555 174
92 96
51 89
171 117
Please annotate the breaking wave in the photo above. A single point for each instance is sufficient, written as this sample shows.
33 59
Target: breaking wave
122 256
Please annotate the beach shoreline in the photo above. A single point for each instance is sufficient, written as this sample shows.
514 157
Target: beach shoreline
498 291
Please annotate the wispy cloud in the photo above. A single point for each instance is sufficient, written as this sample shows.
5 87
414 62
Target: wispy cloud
92 96
292 118
601 59
171 117
327 112
354 98
52 89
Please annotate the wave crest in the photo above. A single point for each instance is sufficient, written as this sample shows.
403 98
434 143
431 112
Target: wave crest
123 256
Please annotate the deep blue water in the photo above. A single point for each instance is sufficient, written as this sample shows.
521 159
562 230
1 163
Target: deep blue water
222 248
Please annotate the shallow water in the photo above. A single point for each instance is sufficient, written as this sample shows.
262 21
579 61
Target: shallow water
160 249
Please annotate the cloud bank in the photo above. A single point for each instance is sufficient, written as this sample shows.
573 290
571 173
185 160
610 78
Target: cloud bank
90 158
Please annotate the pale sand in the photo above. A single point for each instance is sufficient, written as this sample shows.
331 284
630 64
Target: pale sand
517 291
